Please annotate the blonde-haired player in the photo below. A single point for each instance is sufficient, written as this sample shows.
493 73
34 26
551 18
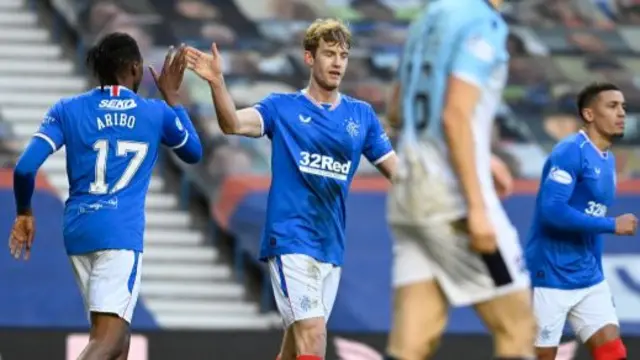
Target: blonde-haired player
318 137
454 244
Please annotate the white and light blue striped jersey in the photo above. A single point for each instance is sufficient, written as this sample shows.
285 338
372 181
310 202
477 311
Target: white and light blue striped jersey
465 39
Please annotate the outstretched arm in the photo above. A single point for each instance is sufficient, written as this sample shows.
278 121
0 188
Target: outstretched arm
245 122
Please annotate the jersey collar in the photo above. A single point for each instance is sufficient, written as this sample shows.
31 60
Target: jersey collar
603 154
114 90
326 106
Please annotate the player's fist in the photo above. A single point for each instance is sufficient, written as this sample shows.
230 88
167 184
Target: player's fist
481 232
206 66
170 78
626 224
22 236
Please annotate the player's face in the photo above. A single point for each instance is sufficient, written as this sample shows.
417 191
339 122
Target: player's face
608 113
329 64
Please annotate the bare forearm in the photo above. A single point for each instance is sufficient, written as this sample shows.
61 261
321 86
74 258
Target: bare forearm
393 110
225 107
459 137
388 166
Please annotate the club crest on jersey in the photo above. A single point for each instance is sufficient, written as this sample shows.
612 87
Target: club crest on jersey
353 128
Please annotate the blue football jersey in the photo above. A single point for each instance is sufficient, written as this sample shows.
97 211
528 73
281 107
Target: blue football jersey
578 185
315 153
112 137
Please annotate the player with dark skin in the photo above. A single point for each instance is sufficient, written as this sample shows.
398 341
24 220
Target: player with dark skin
603 114
115 60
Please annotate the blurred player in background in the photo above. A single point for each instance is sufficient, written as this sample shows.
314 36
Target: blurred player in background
112 137
318 136
564 251
454 244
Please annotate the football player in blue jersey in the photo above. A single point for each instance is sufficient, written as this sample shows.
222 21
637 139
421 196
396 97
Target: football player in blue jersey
112 139
454 244
318 137
564 249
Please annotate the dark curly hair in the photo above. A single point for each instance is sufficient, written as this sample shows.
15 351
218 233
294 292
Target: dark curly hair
112 55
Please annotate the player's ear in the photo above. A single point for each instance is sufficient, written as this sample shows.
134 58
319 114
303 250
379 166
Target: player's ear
308 58
587 115
136 69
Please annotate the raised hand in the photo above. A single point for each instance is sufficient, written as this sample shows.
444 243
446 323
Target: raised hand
170 78
206 66
22 236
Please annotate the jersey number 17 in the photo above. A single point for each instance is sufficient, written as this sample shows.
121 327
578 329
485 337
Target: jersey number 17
123 148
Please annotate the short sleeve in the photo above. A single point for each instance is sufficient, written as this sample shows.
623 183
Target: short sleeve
51 127
477 52
174 134
377 146
267 110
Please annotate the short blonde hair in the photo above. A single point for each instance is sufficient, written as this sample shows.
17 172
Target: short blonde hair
332 31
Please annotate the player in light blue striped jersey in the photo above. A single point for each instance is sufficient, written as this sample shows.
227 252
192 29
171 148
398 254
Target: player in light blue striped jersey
454 244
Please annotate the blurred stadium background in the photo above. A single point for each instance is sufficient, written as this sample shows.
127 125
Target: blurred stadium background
204 296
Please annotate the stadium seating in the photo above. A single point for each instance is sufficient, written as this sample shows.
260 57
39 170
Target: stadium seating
42 292
556 47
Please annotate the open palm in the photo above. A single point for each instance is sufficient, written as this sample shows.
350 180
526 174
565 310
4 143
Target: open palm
207 66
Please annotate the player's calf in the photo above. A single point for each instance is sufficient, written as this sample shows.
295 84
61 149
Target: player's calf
124 354
510 319
288 348
310 338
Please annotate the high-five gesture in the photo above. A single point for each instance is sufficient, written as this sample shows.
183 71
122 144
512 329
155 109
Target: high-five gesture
170 78
207 66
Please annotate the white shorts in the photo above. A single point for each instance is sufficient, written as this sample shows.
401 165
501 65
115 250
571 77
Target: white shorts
303 287
588 310
109 281
440 251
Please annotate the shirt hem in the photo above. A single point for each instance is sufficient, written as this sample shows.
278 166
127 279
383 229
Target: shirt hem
567 287
102 248
317 255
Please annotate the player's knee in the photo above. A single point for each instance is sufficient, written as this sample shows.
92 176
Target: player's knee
416 345
417 329
612 350
109 336
310 336
517 335
515 329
